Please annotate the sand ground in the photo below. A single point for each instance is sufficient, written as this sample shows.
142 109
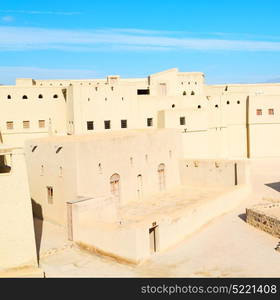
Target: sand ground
225 247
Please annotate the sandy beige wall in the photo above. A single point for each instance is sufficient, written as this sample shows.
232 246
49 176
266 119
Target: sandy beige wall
17 238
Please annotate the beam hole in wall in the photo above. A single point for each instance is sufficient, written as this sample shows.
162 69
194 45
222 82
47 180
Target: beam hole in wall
40 96
34 148
131 161
184 93
88 99
216 106
228 102
122 98
55 96
199 106
105 98
58 149
96 88
24 97
146 158
192 93
238 102
60 171
173 105
9 97
42 170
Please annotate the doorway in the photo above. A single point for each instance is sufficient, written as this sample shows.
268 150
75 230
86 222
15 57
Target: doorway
153 235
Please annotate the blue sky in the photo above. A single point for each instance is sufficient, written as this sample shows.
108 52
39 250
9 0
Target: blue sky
230 41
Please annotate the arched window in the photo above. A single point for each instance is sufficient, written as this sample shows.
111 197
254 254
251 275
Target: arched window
192 93
161 176
9 97
24 97
184 93
115 185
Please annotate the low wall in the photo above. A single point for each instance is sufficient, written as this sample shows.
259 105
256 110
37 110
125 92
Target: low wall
260 217
130 241
214 172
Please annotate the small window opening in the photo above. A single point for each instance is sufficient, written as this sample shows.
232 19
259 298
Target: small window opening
90 125
24 97
107 124
123 123
149 122
182 121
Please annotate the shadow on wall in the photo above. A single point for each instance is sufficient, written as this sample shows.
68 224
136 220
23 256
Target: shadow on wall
274 185
38 225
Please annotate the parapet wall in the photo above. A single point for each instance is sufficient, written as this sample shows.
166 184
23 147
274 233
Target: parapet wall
260 216
214 172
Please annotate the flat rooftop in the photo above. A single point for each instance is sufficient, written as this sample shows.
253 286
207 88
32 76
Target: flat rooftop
172 204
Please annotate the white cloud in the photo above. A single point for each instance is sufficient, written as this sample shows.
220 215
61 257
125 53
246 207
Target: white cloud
31 38
37 12
8 74
7 19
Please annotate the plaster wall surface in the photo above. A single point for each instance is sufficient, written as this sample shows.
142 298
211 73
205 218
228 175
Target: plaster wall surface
17 238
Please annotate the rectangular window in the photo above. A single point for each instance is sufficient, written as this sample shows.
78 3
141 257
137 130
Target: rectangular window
26 124
259 112
90 125
41 123
123 123
10 125
50 194
150 122
143 92
271 111
182 121
107 124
